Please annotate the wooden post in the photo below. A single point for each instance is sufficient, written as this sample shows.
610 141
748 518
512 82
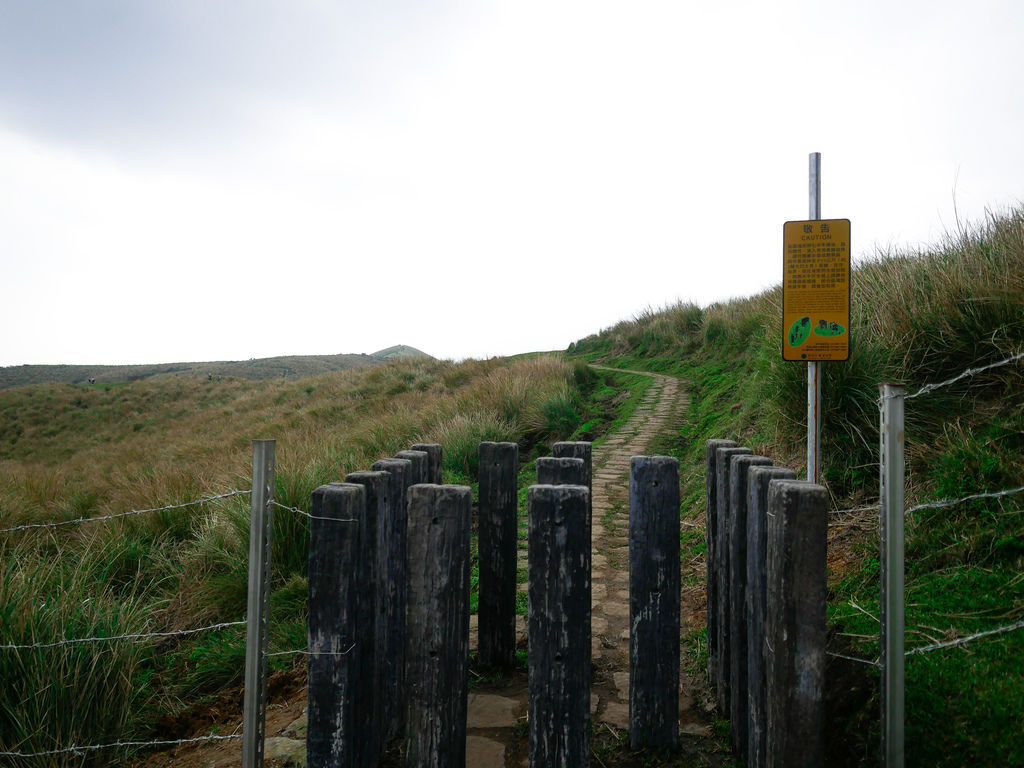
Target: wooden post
721 573
391 625
420 465
498 551
654 602
710 526
757 545
437 646
737 622
797 529
370 654
580 450
559 627
561 471
335 607
435 454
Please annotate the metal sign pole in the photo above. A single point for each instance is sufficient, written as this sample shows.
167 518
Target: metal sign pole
813 366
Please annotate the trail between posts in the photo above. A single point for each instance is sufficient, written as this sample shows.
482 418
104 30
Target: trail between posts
497 727
497 710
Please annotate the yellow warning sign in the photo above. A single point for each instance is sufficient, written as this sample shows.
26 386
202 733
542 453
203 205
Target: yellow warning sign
816 290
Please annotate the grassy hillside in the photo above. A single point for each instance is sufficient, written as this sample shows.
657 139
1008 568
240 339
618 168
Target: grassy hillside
71 451
256 369
917 318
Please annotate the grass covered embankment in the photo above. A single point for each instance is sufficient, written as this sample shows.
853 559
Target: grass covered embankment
917 318
69 451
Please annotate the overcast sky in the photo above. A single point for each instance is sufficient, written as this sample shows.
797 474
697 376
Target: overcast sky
205 179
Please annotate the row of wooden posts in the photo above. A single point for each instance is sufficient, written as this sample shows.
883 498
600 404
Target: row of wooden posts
766 559
389 583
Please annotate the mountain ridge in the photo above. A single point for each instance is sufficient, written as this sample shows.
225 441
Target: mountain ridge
254 369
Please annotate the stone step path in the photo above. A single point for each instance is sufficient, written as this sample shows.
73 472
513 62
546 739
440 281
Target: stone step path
497 719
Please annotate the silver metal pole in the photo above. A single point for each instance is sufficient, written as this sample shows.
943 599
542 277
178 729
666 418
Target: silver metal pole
814 367
254 709
891 559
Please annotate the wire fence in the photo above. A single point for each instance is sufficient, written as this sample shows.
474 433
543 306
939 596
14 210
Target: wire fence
144 636
134 637
105 518
937 505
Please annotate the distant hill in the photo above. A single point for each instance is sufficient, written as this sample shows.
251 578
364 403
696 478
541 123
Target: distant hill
398 352
288 367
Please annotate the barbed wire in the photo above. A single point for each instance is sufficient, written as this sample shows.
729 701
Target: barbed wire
953 502
941 504
304 513
307 652
125 514
868 662
138 636
94 747
853 510
969 638
969 372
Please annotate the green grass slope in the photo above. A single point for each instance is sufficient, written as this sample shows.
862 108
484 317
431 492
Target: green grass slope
917 318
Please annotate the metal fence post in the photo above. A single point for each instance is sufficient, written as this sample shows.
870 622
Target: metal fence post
891 559
254 706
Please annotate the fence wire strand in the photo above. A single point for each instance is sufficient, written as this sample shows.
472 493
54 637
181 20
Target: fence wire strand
304 513
307 652
138 636
868 662
125 514
941 504
969 638
953 502
969 372
94 747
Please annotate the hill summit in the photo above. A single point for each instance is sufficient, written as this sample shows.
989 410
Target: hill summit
398 352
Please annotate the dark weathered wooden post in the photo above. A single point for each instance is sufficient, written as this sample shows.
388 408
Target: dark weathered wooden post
391 626
757 546
420 465
737 622
335 608
797 530
437 646
710 543
435 454
369 740
559 626
561 471
721 573
579 450
498 551
653 602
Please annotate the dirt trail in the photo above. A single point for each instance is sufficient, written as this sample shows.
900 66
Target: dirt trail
497 730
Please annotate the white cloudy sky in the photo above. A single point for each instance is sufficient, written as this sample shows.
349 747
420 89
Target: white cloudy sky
205 179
